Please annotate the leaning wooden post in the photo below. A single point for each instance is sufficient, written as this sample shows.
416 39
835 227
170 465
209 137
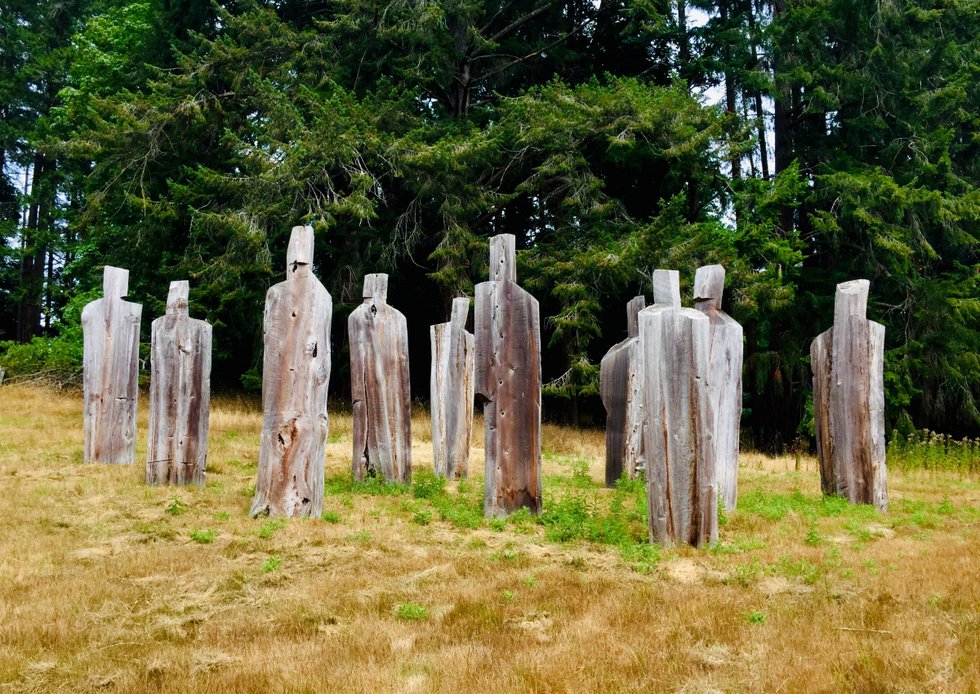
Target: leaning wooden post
724 378
681 484
295 377
111 338
849 402
620 389
180 394
508 380
451 392
380 386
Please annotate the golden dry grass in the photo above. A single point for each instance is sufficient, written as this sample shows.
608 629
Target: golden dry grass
102 586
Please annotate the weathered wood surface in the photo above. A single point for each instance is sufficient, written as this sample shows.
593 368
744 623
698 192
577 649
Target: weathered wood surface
620 389
111 337
451 388
180 394
848 400
724 378
380 386
674 347
295 378
508 381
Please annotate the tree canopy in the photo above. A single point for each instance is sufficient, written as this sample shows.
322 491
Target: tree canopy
800 143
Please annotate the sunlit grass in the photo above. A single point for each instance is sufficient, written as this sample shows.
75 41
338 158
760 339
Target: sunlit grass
108 584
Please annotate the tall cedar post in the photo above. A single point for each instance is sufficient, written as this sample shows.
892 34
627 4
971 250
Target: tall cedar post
295 378
111 337
620 389
380 386
681 484
451 387
849 402
180 394
508 380
724 378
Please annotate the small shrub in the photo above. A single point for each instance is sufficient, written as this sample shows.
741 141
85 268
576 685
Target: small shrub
330 517
273 563
813 536
176 507
411 611
754 616
203 537
422 517
270 527
427 485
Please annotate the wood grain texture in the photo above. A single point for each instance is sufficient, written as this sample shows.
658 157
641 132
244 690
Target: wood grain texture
508 381
180 394
295 379
451 388
380 386
111 336
674 347
724 378
620 389
848 400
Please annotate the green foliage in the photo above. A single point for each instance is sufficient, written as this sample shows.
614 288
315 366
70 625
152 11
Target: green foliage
176 507
203 537
271 526
273 563
330 517
427 485
411 612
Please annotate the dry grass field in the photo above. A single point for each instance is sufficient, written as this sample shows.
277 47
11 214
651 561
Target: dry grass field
108 585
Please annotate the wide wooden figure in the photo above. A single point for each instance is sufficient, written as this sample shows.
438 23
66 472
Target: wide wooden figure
111 337
380 386
680 466
849 402
620 389
295 378
508 381
451 392
724 378
180 394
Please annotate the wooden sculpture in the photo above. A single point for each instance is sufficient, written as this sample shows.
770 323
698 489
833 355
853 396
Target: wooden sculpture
380 386
620 389
681 485
724 378
848 400
295 377
180 394
111 337
508 380
451 392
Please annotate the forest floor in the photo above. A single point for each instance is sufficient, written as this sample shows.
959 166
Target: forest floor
106 584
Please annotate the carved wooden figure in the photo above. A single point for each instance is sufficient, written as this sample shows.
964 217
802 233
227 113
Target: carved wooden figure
620 388
681 485
295 377
508 380
111 336
724 378
451 387
380 386
180 394
848 400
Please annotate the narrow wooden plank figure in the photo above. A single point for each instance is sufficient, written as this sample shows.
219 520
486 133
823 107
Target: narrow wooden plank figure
451 388
674 350
848 400
295 378
508 381
724 378
180 394
111 337
380 386
620 389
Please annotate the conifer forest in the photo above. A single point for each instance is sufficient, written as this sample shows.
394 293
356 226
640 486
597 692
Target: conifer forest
798 143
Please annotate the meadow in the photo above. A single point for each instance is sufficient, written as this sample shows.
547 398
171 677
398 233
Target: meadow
108 585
